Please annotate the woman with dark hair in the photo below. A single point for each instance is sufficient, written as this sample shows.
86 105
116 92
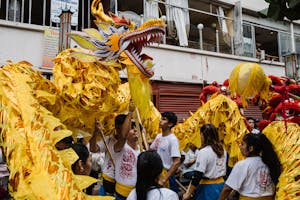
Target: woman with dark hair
83 164
149 168
210 166
256 176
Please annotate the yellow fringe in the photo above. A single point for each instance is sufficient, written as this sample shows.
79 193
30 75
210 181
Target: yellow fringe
247 80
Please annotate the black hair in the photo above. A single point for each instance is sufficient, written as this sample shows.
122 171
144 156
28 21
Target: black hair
182 158
211 137
80 140
66 142
251 118
171 117
254 121
120 119
149 167
82 152
133 124
261 144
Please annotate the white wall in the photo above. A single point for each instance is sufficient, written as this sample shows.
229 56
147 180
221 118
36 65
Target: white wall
22 43
188 65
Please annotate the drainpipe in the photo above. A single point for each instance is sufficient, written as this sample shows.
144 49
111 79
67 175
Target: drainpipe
65 28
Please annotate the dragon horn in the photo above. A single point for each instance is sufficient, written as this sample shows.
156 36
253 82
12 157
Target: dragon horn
98 13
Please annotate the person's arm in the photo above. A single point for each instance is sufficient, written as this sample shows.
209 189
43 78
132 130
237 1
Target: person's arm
124 130
190 191
225 192
171 171
94 148
190 163
152 145
192 187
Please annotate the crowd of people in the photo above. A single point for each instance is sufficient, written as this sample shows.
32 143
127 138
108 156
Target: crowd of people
129 172
163 172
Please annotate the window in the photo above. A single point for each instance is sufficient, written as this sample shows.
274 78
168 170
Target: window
285 46
248 40
38 12
266 41
260 42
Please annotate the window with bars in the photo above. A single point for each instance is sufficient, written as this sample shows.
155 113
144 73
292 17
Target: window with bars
38 12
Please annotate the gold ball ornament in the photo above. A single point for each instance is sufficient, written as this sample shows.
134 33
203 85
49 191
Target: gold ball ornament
248 79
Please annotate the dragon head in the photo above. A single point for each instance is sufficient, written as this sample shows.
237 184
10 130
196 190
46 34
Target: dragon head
116 35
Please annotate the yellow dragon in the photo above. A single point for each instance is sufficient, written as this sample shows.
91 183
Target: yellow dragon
86 85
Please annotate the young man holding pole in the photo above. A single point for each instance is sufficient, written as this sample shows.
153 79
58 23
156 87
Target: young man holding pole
107 145
167 146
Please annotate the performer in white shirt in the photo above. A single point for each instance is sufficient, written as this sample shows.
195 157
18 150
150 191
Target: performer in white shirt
189 163
96 148
167 146
126 151
149 168
210 166
256 176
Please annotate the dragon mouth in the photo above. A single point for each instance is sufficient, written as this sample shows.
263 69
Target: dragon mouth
133 44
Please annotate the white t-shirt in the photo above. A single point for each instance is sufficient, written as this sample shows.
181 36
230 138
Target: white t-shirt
255 131
210 164
156 194
97 160
126 164
167 147
189 156
251 178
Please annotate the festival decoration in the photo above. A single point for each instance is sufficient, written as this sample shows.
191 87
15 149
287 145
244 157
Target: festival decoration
247 80
282 102
278 98
222 112
285 138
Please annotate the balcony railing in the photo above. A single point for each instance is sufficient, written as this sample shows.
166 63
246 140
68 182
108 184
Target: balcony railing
207 35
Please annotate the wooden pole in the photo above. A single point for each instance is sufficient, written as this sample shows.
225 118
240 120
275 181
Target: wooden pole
138 129
181 186
142 133
106 147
